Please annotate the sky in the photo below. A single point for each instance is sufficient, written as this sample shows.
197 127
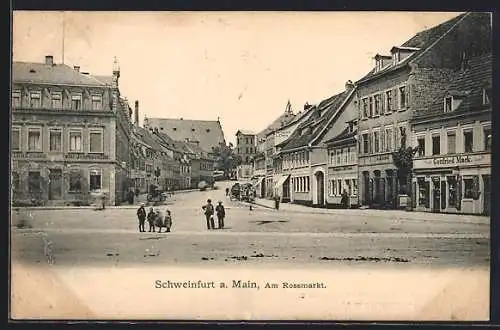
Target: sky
241 67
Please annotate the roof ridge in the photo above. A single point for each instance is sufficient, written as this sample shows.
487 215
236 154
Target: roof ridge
440 37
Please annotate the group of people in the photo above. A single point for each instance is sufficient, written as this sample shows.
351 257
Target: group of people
210 212
155 219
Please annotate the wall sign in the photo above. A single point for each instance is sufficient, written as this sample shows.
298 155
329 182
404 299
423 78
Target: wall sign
452 161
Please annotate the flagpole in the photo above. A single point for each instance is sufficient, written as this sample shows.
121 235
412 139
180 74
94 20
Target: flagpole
63 28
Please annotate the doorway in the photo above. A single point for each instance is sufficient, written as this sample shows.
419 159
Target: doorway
55 184
436 199
320 188
487 194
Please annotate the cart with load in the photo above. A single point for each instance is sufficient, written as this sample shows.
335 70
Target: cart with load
155 195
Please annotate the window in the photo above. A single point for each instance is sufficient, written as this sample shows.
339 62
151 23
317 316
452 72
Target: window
55 140
75 141
451 142
376 141
354 187
16 99
421 146
15 181
308 183
365 143
436 145
56 100
16 138
75 181
96 102
76 101
468 141
370 113
34 182
365 107
448 101
95 179
468 187
452 191
339 186
34 139
338 156
423 192
377 105
402 97
35 101
388 139
382 141
388 98
487 138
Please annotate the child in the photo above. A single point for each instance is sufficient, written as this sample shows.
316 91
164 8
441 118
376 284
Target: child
168 221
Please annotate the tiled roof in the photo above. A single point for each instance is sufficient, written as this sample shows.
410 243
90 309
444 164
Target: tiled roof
422 40
108 80
148 138
207 132
282 120
469 85
344 135
58 74
310 129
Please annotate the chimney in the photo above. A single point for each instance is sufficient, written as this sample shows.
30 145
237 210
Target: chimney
77 68
307 106
137 113
49 60
349 86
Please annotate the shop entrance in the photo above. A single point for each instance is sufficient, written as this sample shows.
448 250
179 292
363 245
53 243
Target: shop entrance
55 184
436 199
487 194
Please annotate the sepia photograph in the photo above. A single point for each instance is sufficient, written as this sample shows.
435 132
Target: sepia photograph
177 165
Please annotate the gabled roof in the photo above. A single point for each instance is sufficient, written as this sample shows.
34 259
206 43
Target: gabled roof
469 84
207 132
56 74
345 135
308 132
245 132
419 43
148 138
282 120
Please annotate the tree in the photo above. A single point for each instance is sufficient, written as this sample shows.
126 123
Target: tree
225 158
403 160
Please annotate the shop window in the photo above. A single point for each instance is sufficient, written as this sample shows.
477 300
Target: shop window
452 142
34 182
468 188
421 146
452 191
423 192
354 187
436 145
468 141
487 138
75 181
95 180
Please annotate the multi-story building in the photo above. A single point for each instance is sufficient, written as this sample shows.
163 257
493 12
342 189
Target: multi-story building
452 170
302 159
400 84
70 135
342 168
246 146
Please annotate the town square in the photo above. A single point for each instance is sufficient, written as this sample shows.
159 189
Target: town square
197 153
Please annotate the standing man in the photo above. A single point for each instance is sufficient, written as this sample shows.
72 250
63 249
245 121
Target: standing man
227 191
151 219
221 214
277 202
209 214
344 200
141 215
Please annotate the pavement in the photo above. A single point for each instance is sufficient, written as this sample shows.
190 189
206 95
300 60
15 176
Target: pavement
85 263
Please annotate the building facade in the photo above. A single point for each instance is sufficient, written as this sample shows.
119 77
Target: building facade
452 170
401 84
70 135
246 146
342 168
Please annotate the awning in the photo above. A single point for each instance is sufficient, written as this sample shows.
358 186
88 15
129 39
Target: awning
281 180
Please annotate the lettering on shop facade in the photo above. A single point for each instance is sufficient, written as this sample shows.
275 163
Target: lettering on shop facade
450 161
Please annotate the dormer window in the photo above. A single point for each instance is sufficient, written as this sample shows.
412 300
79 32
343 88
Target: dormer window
395 57
448 104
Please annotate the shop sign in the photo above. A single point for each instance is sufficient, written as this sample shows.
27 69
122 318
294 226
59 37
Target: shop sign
452 161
